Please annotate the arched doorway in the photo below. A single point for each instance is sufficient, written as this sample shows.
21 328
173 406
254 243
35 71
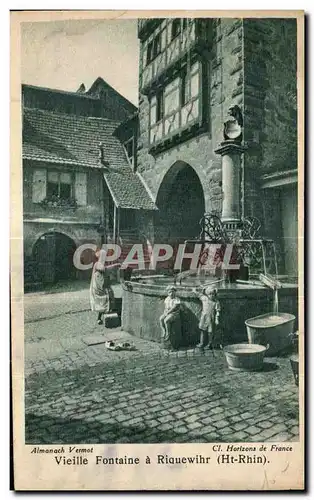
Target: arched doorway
53 255
181 205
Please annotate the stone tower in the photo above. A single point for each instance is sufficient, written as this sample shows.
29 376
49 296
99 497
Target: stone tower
192 71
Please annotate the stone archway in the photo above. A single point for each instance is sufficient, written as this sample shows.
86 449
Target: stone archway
53 257
181 205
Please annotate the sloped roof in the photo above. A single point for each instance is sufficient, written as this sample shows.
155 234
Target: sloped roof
74 140
127 189
101 83
81 92
27 86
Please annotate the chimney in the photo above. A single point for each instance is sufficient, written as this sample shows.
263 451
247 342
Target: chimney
81 89
101 155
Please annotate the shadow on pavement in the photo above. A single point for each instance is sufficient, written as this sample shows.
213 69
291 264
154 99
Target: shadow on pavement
46 430
60 287
150 399
270 367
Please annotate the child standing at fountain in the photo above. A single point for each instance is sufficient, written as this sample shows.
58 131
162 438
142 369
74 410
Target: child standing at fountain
170 317
209 318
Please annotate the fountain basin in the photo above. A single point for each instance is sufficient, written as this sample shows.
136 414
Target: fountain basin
245 357
275 329
143 304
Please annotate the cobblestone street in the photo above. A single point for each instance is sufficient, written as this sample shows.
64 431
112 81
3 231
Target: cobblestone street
80 393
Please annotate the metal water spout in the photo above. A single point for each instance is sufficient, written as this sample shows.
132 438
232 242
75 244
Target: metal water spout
274 285
269 281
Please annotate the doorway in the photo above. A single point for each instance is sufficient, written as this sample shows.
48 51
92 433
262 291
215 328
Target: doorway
181 205
53 255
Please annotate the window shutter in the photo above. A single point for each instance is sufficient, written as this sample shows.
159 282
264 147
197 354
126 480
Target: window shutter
39 185
80 188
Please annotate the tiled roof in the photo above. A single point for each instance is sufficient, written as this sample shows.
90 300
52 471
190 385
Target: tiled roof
74 140
127 189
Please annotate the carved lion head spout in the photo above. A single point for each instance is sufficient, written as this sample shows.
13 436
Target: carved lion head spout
233 125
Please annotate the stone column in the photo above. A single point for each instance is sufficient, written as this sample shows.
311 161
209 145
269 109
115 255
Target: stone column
231 152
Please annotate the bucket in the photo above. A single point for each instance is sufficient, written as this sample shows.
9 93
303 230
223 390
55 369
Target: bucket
273 329
294 361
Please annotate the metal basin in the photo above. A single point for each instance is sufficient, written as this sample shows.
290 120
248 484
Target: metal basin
275 329
245 357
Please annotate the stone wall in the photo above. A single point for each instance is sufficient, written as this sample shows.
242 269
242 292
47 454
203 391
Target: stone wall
270 118
79 233
252 63
143 305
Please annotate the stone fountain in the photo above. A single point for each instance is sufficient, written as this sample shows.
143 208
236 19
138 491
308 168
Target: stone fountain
241 292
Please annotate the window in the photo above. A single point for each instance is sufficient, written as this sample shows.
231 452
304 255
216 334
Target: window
159 107
178 106
190 84
184 96
172 97
58 187
178 25
153 49
59 184
156 108
149 57
175 28
157 45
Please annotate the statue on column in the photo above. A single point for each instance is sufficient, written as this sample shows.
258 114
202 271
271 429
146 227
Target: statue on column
233 125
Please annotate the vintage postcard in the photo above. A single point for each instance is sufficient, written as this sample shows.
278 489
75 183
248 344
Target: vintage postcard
157 250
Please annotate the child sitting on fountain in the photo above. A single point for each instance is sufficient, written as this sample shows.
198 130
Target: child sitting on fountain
209 317
170 316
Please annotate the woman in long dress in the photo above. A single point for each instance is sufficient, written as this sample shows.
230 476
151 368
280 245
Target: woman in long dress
101 294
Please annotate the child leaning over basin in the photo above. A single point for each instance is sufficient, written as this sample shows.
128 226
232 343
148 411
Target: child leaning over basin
209 317
170 317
